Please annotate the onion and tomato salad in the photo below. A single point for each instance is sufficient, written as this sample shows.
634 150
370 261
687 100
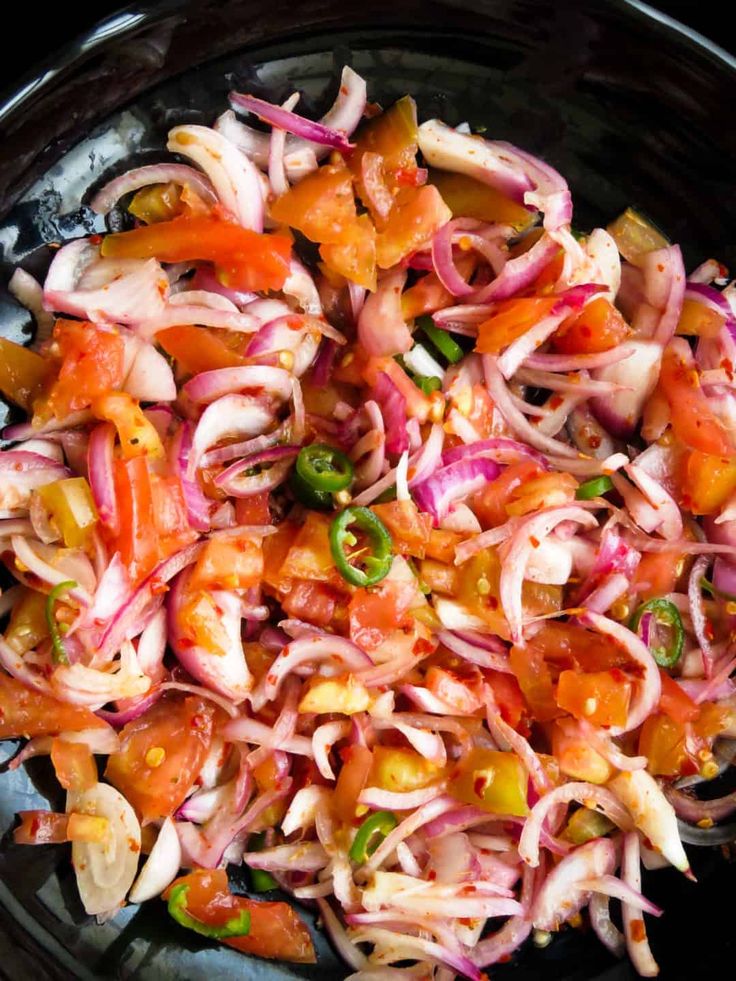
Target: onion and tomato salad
374 530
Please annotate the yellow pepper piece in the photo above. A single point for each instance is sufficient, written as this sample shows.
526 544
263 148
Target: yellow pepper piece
71 509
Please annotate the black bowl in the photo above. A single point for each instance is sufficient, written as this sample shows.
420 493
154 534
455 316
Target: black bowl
631 107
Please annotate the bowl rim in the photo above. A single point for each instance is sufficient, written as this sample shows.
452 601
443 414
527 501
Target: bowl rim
37 80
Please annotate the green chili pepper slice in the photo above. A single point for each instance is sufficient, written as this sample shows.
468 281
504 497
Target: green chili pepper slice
596 487
370 835
447 347
237 926
260 880
427 383
58 651
318 500
667 614
324 468
375 559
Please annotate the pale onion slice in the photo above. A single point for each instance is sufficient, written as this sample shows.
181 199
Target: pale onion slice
161 867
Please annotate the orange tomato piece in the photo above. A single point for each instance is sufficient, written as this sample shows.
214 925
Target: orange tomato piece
439 577
598 327
373 615
417 214
693 421
699 320
535 681
161 754
314 602
508 695
232 562
441 544
470 198
657 574
577 758
25 713
321 206
707 481
247 260
675 701
253 510
601 697
459 693
410 528
355 256
136 541
73 764
170 516
417 403
510 320
92 364
392 135
197 349
137 435
662 741
310 556
23 373
489 504
357 762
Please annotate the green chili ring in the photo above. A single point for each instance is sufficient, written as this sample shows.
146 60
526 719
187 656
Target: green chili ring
324 468
377 563
58 651
596 487
311 498
447 347
370 835
236 926
667 613
260 880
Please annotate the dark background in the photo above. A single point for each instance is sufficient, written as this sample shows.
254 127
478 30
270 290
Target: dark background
37 32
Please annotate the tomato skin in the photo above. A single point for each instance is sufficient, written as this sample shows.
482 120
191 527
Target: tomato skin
656 574
276 930
353 777
601 697
470 198
161 754
74 765
707 481
417 214
693 421
535 681
598 327
662 741
137 545
314 602
410 529
23 373
489 504
675 701
228 563
92 365
248 260
197 349
27 713
510 320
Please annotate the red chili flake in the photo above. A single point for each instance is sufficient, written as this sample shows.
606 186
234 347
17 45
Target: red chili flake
186 643
727 365
492 603
133 845
431 875
95 239
618 676
535 543
479 786
556 401
689 767
638 931
709 633
157 587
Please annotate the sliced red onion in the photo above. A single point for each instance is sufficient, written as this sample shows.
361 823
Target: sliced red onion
294 333
21 473
637 944
337 652
653 815
609 885
224 703
544 361
500 449
697 612
133 180
161 867
694 810
223 671
289 121
174 314
452 483
669 518
382 330
198 505
388 800
100 459
393 409
565 890
405 947
31 556
208 386
323 739
485 657
300 286
231 415
276 169
252 731
637 374
424 815
237 482
519 273
442 254
305 856
133 711
53 429
664 289
706 272
606 931
374 189
233 177
29 292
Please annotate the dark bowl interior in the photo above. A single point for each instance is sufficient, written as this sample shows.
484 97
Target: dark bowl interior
630 108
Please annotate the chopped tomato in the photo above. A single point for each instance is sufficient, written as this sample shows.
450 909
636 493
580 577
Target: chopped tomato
247 260
496 782
470 198
442 544
374 614
598 327
675 701
158 202
410 528
712 720
136 542
276 930
91 365
232 562
41 828
170 515
392 135
657 574
699 320
601 697
438 576
535 681
357 761
425 296
74 765
417 214
565 645
547 279
23 373
27 713
543 491
511 319
253 510
459 693
314 602
508 695
417 404
662 741
310 556
402 770
137 435
577 758
71 509
321 206
355 256
707 481
197 349
275 549
161 754
489 504
693 421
